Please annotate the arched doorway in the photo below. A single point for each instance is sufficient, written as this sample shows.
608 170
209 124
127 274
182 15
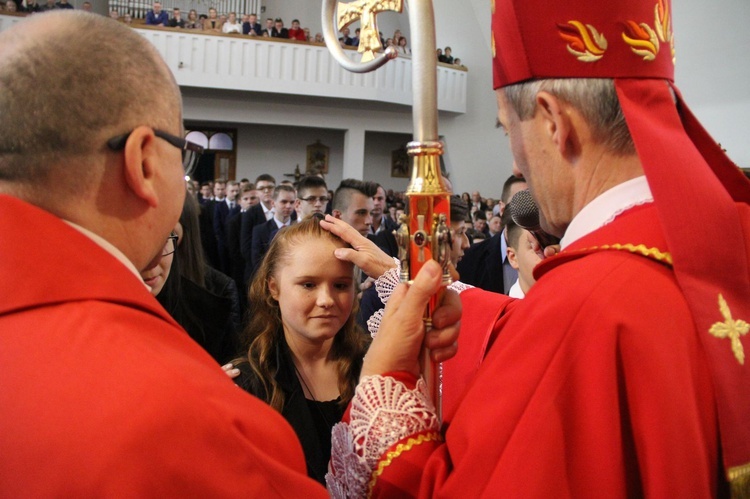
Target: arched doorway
219 159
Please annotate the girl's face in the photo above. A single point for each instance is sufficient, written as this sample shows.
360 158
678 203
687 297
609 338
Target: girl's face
315 291
156 277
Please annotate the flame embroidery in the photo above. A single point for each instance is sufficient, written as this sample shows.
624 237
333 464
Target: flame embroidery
584 42
663 25
642 40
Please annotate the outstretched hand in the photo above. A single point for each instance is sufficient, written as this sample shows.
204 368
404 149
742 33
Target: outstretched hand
402 333
363 253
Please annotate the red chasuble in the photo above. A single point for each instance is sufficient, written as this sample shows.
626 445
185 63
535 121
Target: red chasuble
102 394
596 386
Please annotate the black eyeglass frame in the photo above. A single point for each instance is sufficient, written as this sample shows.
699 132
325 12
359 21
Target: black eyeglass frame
190 151
313 199
174 238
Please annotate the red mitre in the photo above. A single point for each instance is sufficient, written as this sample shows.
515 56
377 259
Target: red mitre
701 196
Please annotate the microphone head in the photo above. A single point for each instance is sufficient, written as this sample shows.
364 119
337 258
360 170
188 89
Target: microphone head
524 211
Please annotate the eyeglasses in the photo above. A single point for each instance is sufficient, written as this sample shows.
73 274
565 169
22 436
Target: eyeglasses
171 245
190 151
314 199
266 188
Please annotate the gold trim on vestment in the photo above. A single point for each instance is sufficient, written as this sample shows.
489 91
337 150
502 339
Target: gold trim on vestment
640 249
400 449
739 481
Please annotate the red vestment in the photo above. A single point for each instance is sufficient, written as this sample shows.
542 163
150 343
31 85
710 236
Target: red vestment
594 385
103 394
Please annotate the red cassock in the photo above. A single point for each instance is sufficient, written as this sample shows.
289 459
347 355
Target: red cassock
594 385
103 394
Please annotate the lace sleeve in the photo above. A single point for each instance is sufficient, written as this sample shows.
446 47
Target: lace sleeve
383 412
459 287
386 283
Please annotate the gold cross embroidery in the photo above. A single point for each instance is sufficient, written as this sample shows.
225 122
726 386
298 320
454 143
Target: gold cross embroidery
731 329
366 11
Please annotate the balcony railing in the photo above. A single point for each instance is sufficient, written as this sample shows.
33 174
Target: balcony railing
237 62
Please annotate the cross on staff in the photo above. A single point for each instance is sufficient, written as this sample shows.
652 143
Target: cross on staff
423 233
366 11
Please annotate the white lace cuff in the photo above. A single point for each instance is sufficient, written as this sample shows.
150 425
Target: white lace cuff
383 412
459 287
373 323
386 283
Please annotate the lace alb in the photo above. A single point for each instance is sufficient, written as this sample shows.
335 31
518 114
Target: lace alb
386 283
383 412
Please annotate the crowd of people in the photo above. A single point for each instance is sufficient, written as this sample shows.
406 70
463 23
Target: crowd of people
610 364
232 22
31 6
230 247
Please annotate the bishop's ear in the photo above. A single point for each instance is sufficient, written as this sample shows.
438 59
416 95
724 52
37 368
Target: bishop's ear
555 116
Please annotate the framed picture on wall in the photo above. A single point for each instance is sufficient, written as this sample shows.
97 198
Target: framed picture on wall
317 157
400 163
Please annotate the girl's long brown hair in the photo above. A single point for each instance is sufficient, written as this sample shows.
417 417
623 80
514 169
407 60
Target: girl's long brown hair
264 329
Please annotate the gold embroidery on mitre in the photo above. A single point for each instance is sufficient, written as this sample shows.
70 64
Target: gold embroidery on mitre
584 41
492 6
494 52
642 40
731 329
663 25
390 456
739 481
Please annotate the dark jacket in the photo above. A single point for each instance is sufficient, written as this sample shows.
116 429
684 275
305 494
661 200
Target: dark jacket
283 33
252 217
296 411
236 259
385 240
208 236
482 265
210 314
255 28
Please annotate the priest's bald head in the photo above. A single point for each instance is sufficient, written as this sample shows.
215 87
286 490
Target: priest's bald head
90 126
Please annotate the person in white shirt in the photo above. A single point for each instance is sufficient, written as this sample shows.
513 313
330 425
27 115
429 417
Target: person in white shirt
232 25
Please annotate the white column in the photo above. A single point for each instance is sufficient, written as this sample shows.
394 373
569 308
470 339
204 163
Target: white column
354 154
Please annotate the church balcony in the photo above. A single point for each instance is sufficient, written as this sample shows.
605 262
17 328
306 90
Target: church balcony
270 65
235 62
